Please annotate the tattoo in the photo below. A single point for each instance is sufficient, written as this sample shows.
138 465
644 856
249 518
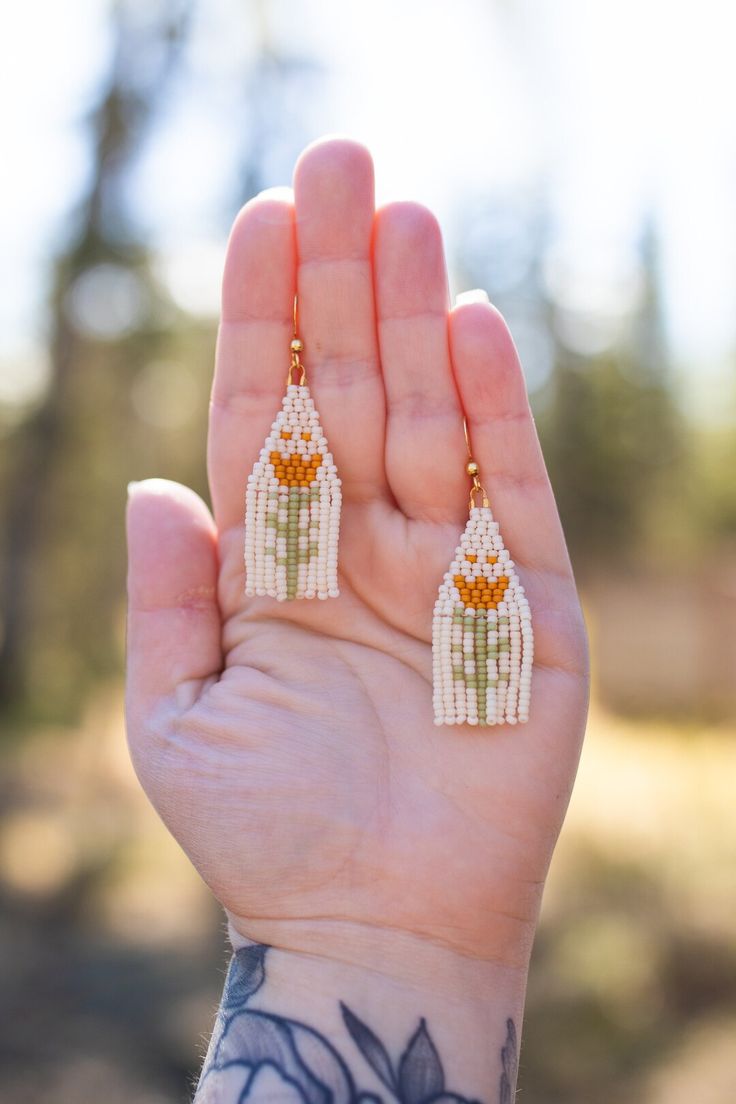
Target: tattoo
510 1061
257 1055
420 1077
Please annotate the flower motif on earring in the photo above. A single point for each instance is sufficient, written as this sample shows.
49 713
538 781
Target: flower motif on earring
292 501
482 638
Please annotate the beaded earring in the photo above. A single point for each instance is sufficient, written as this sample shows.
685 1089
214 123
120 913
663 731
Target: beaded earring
482 639
292 501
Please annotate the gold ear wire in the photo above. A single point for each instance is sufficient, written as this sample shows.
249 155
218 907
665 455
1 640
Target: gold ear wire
297 346
473 470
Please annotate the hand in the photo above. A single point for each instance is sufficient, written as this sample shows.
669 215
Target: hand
290 746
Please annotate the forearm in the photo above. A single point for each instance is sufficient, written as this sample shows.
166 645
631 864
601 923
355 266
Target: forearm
421 1024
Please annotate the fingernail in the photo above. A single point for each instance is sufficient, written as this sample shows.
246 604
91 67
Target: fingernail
132 486
477 295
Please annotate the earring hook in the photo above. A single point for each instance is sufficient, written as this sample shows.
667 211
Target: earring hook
472 468
297 346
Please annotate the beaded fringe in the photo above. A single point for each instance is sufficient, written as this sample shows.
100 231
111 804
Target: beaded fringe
482 640
292 507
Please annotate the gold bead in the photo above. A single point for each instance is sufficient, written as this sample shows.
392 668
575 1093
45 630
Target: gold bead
472 468
296 345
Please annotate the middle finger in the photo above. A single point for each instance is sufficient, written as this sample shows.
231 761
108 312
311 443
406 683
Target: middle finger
333 195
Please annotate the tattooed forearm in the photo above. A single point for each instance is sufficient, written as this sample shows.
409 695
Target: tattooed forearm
255 1055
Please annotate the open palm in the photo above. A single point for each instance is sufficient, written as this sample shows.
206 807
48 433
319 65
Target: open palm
290 746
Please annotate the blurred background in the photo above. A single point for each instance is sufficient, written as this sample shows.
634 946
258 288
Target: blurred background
582 160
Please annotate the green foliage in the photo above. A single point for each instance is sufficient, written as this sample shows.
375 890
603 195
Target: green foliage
612 445
714 471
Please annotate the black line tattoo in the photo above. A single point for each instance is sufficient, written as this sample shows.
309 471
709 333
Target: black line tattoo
420 1077
510 1062
254 1053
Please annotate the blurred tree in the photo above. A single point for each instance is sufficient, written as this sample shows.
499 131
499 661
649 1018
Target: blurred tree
130 372
279 88
602 388
98 312
715 467
613 434
606 438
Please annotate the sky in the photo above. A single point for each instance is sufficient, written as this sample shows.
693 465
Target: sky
616 109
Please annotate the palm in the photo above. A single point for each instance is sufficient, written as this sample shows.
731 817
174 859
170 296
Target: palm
308 781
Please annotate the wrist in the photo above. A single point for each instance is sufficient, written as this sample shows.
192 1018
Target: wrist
396 956
403 1016
412 957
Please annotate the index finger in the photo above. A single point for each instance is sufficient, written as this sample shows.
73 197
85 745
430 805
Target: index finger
252 360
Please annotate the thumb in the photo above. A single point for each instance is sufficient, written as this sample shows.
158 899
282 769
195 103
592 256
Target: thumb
173 618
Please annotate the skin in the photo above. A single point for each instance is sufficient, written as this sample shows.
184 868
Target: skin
290 747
